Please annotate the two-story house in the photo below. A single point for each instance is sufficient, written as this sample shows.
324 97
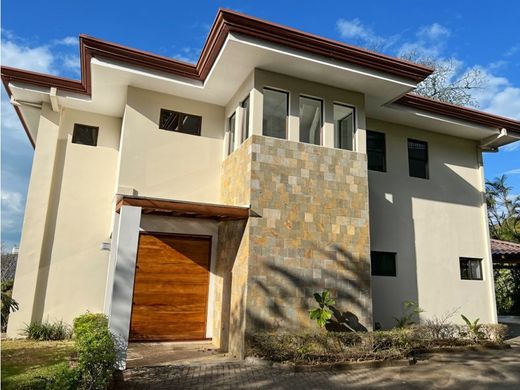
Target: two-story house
210 201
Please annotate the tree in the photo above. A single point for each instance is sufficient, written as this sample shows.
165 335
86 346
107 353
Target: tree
503 210
444 83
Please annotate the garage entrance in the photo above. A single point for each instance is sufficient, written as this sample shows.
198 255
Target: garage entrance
171 288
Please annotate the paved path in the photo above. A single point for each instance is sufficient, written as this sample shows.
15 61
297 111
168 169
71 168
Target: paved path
494 369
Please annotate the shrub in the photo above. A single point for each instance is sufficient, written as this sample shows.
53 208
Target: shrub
47 331
411 310
494 332
9 305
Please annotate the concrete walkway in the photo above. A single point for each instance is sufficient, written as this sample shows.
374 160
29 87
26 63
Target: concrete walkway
492 369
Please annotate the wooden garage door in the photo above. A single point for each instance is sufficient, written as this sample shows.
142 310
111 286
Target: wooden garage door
171 288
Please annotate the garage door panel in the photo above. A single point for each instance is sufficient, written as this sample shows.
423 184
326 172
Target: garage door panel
171 288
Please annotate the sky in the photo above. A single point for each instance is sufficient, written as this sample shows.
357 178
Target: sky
43 36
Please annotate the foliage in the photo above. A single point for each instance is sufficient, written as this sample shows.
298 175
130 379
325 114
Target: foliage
439 327
474 328
46 331
446 83
9 305
411 310
503 210
323 313
505 290
8 262
96 351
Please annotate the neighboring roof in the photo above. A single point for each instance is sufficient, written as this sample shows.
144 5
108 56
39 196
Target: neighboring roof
228 22
503 251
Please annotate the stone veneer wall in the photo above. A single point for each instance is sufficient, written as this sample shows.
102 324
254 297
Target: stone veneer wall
312 233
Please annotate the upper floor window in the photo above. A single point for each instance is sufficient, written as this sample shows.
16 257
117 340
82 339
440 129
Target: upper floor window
383 263
231 140
274 121
376 151
470 269
245 119
311 120
343 127
418 158
180 122
85 135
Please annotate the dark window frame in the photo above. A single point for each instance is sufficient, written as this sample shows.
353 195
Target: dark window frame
469 270
322 118
373 269
413 159
75 135
231 129
354 126
287 113
246 117
383 152
181 114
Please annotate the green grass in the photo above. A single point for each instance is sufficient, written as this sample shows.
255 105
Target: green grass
26 362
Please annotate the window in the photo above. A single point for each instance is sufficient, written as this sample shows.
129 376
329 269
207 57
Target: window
418 158
180 122
343 127
231 140
383 263
85 135
245 119
470 269
376 151
275 113
310 120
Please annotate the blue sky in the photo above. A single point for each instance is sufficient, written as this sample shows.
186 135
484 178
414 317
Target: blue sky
42 36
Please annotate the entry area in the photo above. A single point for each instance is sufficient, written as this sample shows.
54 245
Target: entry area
170 299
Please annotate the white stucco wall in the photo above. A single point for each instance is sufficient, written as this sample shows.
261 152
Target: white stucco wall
430 224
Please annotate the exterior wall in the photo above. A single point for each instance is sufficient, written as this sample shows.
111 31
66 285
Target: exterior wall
430 224
166 164
312 233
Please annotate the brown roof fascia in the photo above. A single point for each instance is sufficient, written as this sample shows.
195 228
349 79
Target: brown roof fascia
459 112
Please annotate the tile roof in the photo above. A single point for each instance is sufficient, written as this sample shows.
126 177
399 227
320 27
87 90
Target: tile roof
499 247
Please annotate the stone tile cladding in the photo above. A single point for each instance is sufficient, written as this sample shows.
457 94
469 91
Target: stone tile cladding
312 233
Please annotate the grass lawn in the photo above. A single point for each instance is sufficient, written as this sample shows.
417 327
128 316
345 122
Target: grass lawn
25 361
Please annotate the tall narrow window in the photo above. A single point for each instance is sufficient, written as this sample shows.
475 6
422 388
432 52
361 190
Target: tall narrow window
310 120
85 135
418 158
343 127
245 120
275 113
180 122
470 269
383 263
376 151
231 140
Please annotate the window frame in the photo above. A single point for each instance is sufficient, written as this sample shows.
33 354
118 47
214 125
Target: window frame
199 132
394 254
354 130
471 259
322 118
287 109
246 117
96 134
427 161
384 170
231 130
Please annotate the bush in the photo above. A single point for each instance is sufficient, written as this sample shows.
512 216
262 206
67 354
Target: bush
9 305
46 331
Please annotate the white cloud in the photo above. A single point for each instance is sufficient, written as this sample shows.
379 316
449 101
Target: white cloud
513 172
430 42
511 147
187 54
434 32
38 59
12 210
355 30
67 41
72 62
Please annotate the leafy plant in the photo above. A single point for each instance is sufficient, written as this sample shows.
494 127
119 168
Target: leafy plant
323 313
9 305
411 310
474 328
45 331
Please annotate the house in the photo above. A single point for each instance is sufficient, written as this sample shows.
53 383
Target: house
210 201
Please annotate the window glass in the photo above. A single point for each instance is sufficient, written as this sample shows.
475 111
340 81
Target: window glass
245 120
231 140
343 127
310 120
418 158
470 269
376 151
85 135
180 122
383 263
275 113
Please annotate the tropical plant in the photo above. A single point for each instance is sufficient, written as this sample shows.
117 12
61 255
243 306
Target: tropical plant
9 305
323 313
45 331
474 328
411 310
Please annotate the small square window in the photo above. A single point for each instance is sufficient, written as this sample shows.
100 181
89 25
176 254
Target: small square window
85 135
180 122
418 158
383 263
376 151
470 269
